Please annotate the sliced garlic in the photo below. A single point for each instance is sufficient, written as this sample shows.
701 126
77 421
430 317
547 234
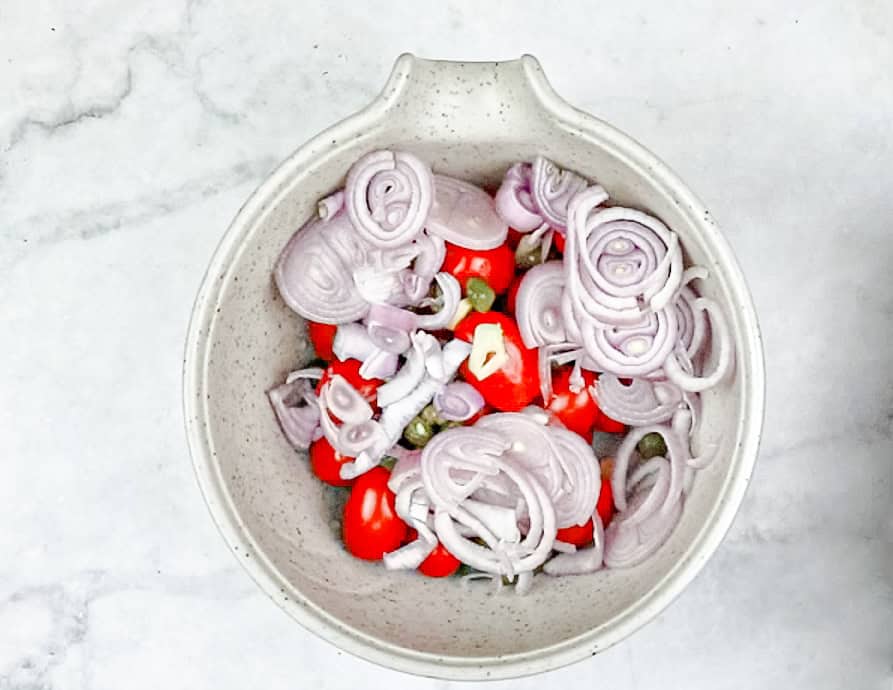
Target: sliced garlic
488 353
463 309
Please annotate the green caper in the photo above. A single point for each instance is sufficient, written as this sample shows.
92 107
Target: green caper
528 258
479 294
429 414
528 254
418 432
388 462
652 445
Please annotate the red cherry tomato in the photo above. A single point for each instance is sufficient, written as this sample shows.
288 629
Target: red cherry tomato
516 384
494 266
350 370
578 535
581 535
558 240
371 527
605 505
611 426
439 563
604 423
577 411
512 296
485 410
322 335
514 237
326 463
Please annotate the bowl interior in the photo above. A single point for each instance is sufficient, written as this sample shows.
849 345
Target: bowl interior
289 519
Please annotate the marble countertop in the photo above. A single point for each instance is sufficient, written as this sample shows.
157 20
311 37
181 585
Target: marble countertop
130 133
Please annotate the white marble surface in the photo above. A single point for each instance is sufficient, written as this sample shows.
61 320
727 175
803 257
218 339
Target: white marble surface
130 132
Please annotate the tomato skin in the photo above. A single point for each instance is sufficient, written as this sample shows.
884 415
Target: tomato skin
578 535
513 237
606 424
577 411
496 266
512 297
326 463
581 535
350 370
439 563
558 241
322 335
605 505
516 384
371 527
483 412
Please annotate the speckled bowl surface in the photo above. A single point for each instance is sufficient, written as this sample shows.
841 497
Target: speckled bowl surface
470 120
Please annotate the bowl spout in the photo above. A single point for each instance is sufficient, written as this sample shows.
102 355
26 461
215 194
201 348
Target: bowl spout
485 101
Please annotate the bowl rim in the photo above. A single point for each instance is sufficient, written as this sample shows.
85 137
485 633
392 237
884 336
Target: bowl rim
364 645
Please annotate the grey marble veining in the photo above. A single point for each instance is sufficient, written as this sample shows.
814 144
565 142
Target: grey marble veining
130 133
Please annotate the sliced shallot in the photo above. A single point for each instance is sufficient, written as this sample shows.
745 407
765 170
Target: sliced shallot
458 401
465 215
460 460
389 327
379 365
514 199
677 452
388 196
330 205
352 341
719 332
430 253
636 349
582 561
692 324
553 188
411 505
295 406
401 404
640 403
538 305
408 377
560 459
313 272
638 531
344 401
620 262
356 437
683 426
314 373
450 296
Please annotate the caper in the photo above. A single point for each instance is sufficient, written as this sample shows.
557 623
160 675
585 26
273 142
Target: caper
479 294
429 414
652 445
418 432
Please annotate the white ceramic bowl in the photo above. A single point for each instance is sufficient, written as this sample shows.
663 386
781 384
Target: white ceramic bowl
470 120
